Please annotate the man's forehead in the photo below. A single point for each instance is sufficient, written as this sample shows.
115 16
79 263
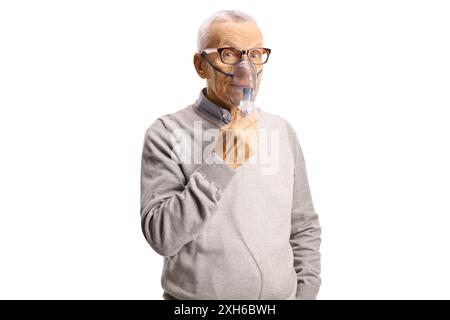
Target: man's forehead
242 35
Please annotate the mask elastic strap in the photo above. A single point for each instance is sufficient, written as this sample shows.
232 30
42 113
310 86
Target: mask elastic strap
203 55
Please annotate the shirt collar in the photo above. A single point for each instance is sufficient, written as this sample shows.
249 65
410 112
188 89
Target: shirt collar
222 114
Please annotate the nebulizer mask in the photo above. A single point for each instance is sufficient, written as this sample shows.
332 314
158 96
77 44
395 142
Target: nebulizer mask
242 85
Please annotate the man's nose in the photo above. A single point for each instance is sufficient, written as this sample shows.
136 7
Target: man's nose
243 69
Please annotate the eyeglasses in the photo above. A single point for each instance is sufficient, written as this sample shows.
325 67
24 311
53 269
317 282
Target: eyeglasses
232 56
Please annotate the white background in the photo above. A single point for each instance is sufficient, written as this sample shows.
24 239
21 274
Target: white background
364 83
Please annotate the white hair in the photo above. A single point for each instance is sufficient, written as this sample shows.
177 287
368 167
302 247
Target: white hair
220 16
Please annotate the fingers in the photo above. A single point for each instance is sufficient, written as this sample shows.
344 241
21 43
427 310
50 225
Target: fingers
253 116
250 119
237 142
244 122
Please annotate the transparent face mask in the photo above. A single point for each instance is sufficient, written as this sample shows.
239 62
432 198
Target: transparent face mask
242 87
242 76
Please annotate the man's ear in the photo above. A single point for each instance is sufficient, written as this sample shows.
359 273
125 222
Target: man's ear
200 66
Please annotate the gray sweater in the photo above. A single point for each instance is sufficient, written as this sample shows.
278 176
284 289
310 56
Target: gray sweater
245 233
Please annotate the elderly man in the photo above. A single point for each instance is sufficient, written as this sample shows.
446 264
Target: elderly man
227 226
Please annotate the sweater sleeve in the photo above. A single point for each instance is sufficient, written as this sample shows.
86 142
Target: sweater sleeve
175 208
305 228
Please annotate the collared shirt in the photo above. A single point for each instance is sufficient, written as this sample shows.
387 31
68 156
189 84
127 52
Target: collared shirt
213 109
